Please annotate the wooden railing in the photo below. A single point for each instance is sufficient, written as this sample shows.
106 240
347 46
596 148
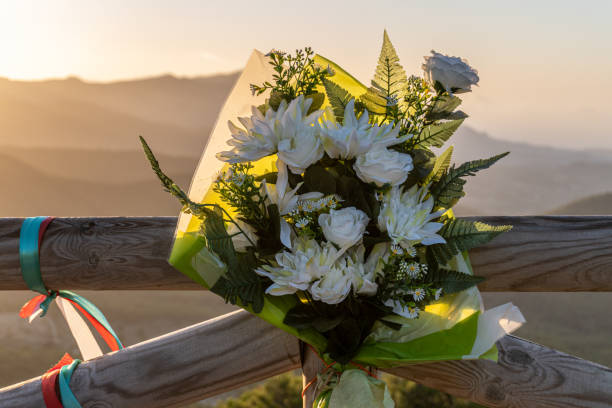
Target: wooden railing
539 254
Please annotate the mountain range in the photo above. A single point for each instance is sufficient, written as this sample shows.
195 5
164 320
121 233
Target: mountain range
71 148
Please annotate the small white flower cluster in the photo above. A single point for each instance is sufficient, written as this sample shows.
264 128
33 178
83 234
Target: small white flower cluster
412 270
308 206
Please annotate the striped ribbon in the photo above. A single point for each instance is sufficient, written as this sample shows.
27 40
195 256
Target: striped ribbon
70 304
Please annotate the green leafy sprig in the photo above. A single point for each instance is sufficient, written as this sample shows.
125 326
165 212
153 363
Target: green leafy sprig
294 75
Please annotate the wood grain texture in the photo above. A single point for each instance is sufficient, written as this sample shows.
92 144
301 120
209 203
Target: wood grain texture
527 375
239 348
552 254
311 366
176 369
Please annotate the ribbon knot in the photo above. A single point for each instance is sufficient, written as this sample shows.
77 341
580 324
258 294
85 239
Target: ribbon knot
32 232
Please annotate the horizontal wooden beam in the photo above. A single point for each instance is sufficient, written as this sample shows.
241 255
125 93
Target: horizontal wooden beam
237 349
541 254
176 369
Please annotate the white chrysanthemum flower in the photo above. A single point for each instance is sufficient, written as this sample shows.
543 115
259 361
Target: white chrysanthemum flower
292 272
418 294
406 217
262 134
285 198
364 273
336 277
356 136
302 149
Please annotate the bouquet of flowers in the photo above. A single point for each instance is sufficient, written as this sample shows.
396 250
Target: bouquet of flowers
330 216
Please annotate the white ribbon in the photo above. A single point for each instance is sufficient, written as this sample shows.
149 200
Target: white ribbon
80 331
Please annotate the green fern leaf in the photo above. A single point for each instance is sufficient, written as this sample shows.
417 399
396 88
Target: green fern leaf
390 78
438 133
241 284
198 210
462 235
443 107
374 101
338 98
454 281
449 189
440 167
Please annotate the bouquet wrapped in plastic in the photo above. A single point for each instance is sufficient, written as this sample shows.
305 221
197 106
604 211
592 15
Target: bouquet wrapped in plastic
330 216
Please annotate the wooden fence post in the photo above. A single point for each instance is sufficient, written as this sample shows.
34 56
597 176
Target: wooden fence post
311 366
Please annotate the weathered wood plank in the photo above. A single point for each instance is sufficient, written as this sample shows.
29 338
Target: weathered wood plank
311 366
552 254
176 369
239 348
526 375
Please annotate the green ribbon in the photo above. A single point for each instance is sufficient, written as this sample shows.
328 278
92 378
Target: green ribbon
66 395
29 256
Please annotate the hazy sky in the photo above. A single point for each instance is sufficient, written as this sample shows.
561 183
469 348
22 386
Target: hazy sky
545 66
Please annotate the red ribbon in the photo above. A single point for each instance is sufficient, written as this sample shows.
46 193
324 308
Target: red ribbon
50 389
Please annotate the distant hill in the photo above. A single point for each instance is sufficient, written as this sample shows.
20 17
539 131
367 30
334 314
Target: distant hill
600 204
28 191
73 131
176 114
532 179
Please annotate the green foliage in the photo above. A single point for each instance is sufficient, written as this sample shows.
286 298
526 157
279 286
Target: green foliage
294 76
217 238
417 102
338 98
438 133
190 207
423 161
339 178
390 78
241 283
346 324
238 189
453 281
442 107
449 189
374 102
463 235
441 166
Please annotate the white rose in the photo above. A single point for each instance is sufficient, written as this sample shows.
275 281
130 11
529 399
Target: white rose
239 239
344 227
383 166
301 150
452 72
333 287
